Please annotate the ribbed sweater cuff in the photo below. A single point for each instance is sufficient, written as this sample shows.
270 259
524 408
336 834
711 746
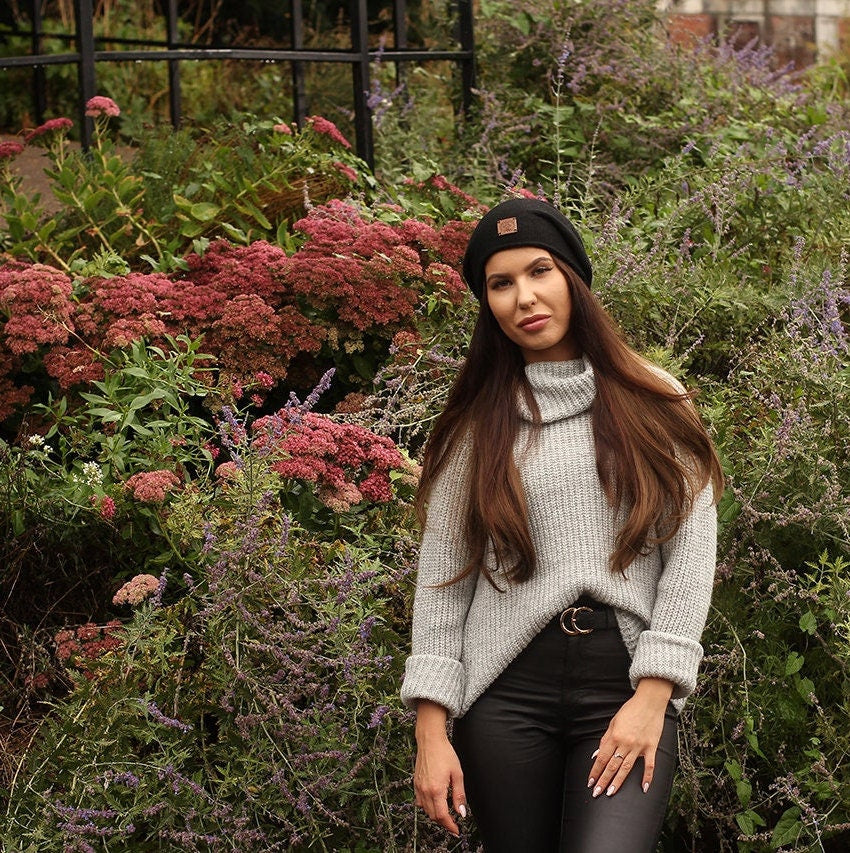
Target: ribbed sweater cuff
442 680
660 655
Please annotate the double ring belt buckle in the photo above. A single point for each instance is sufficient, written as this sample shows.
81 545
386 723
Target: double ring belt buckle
568 621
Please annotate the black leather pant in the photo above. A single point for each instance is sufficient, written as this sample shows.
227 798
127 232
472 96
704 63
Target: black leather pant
525 749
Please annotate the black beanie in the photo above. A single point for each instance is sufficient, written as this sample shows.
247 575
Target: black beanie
523 222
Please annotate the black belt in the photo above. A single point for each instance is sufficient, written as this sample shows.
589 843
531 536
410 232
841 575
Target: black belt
585 617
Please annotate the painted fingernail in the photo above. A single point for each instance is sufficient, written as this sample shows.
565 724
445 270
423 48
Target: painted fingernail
595 754
597 790
645 787
610 791
462 809
590 782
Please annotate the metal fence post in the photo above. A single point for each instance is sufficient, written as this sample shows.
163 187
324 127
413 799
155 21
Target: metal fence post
39 80
299 85
85 65
400 34
174 95
360 75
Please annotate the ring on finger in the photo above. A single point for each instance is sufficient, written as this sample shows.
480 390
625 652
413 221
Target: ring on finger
618 755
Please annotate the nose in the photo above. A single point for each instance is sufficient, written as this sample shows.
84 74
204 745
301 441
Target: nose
525 293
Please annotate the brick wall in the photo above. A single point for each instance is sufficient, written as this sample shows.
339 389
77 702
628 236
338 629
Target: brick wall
801 31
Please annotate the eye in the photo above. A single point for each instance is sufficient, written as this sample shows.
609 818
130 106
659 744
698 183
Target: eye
499 283
542 269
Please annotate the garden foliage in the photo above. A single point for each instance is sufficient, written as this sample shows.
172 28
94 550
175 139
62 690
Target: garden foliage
207 582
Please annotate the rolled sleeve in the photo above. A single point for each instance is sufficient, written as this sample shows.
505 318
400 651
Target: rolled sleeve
669 656
670 647
435 669
439 679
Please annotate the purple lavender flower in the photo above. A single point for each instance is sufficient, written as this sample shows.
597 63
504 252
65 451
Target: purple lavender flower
169 722
377 716
156 598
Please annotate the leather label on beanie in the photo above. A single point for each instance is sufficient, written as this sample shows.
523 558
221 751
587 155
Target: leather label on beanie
506 226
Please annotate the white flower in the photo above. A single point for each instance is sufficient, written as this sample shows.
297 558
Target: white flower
92 474
36 441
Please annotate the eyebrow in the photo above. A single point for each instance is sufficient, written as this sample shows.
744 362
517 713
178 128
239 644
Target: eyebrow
545 258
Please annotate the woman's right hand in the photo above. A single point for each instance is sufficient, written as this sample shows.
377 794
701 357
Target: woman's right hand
437 767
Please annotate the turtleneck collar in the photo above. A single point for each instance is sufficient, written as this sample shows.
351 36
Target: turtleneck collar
561 388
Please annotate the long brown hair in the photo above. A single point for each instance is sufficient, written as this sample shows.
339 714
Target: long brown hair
653 454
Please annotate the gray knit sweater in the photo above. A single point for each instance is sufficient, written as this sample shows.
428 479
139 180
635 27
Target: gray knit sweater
465 634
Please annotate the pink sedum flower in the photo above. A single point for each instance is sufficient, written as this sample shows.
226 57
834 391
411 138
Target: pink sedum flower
346 170
135 591
107 508
151 487
50 126
227 471
264 380
100 105
37 302
340 498
282 128
88 632
65 649
348 463
10 149
327 128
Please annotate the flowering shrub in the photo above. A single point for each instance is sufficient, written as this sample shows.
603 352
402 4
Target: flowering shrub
136 590
79 649
275 661
347 462
258 308
36 303
151 487
244 182
374 281
351 277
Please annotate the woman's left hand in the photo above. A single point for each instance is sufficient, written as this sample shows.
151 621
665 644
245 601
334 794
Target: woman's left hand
633 733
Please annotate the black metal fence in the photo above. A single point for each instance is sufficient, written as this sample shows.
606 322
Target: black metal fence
89 52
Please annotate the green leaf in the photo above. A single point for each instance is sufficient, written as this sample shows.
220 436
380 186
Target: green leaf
147 399
90 203
108 416
252 210
787 829
191 229
745 791
748 821
94 398
139 372
808 622
805 687
47 229
233 232
745 822
204 211
363 366
733 768
794 663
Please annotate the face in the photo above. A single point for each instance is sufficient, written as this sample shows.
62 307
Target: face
530 299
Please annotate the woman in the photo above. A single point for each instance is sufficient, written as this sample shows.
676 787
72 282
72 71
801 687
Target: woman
566 565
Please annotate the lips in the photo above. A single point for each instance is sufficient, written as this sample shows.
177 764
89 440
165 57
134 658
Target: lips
534 322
